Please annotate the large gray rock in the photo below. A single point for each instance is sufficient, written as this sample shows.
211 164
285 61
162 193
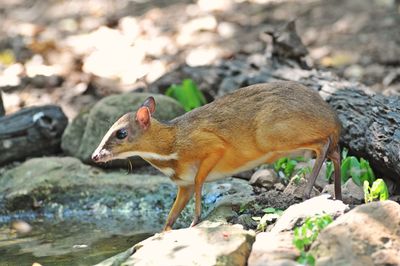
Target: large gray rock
367 235
206 244
84 134
66 188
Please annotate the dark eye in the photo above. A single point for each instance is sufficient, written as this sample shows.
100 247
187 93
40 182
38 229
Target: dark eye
121 133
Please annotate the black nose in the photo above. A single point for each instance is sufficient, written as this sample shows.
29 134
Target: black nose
95 157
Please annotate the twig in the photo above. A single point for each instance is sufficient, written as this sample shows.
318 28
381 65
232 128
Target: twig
2 110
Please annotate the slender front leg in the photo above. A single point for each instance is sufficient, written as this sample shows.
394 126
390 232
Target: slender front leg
205 168
182 198
335 157
321 155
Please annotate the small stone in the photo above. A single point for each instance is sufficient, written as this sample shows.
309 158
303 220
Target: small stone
21 227
203 56
245 220
279 186
264 177
296 188
295 214
226 29
354 72
352 193
245 175
273 249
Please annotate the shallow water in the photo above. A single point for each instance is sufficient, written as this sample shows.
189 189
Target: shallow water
63 243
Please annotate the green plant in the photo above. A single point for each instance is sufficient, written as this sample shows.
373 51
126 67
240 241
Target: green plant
329 164
358 170
378 190
285 166
306 234
187 94
270 215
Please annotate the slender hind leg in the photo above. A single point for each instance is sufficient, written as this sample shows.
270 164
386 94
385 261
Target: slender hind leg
335 157
321 155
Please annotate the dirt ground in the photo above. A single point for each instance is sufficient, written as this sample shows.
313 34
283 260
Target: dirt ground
74 52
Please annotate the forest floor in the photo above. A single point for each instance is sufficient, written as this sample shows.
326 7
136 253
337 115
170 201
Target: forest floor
74 52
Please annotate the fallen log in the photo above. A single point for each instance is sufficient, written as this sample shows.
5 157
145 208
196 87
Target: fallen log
371 128
34 131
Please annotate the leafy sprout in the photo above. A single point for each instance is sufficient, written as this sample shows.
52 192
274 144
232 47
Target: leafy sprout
271 214
306 234
378 190
187 94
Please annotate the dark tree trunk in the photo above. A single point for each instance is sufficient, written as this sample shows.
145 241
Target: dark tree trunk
34 131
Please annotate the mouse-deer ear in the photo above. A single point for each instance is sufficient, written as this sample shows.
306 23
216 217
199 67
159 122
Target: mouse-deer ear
150 103
143 117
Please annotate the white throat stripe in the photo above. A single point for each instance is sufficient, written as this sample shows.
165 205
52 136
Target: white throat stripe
148 155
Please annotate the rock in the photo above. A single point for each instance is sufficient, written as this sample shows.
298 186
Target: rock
236 193
367 235
63 187
205 244
273 249
351 192
245 175
264 177
246 220
230 84
297 213
296 188
83 135
21 227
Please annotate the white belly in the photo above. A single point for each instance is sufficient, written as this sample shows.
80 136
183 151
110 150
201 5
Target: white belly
188 177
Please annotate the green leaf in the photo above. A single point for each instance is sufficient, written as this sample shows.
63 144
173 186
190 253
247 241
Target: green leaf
379 190
366 188
187 94
291 164
367 173
344 153
278 164
269 210
345 170
329 170
306 259
355 170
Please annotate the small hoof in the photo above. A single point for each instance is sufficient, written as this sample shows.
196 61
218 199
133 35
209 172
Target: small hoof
167 228
306 196
194 222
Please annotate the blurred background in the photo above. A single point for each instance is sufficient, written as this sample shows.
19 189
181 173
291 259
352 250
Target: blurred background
75 52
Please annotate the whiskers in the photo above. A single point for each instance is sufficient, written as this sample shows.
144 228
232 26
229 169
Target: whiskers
130 168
